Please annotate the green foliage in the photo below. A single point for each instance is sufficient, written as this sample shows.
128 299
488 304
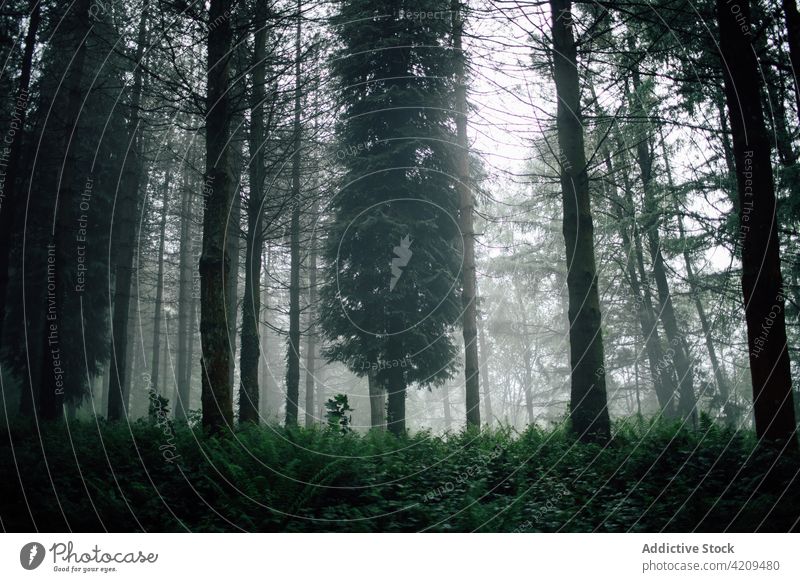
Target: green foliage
337 409
145 477
393 247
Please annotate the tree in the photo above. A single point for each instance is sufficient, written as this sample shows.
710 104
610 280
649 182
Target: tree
762 283
125 240
251 303
588 404
8 187
389 299
293 346
215 262
468 295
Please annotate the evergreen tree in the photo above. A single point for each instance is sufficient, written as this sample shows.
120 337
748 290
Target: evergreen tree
394 247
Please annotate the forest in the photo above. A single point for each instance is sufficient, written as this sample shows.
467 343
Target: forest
399 265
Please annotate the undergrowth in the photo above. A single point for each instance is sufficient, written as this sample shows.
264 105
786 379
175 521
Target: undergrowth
141 477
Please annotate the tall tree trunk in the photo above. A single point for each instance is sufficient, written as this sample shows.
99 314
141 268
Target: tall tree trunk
762 283
293 355
527 357
395 389
251 304
232 242
154 373
8 198
125 242
588 402
53 335
215 263
469 317
447 407
487 391
311 339
181 405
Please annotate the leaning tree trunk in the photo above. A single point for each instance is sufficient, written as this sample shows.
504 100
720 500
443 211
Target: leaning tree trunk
588 402
215 264
125 242
677 343
762 283
469 317
648 321
293 355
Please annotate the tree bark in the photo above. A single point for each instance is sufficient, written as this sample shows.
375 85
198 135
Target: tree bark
119 389
251 304
181 405
588 402
215 263
762 283
154 372
469 317
377 402
293 355
311 339
396 393
484 355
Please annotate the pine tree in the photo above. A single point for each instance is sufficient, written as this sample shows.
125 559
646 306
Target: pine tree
393 249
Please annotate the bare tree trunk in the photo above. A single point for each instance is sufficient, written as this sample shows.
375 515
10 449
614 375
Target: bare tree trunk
395 388
181 405
293 356
51 395
588 404
154 373
487 388
126 238
447 407
267 381
762 283
215 263
311 339
251 304
469 317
